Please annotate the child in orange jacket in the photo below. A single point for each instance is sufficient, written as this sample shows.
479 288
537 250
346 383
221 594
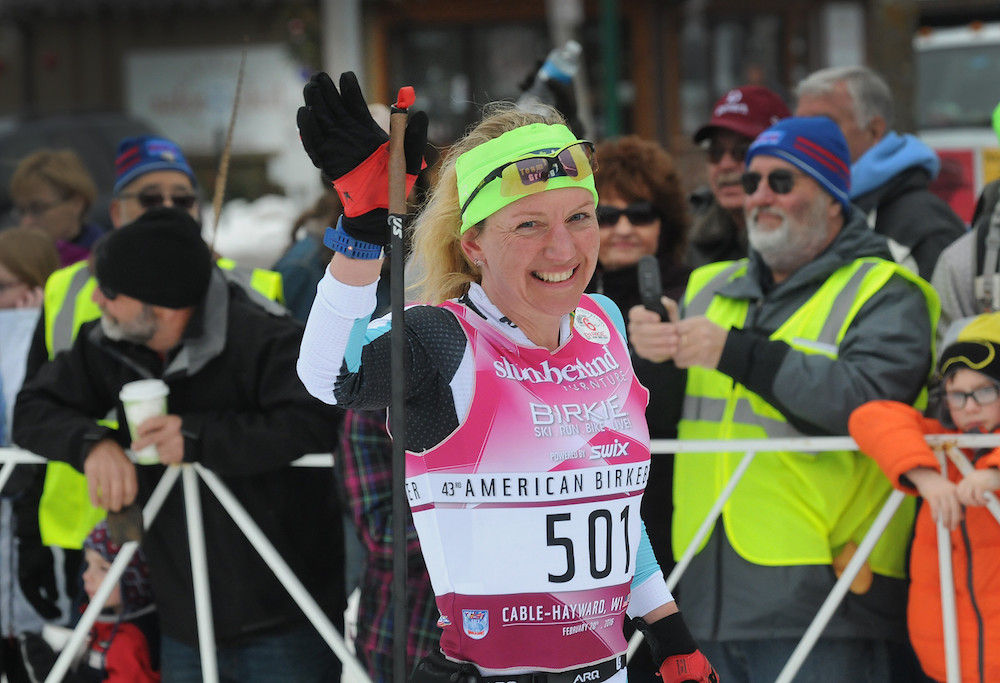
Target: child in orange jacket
893 435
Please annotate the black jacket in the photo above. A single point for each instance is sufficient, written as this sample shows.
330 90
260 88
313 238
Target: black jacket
908 213
715 235
245 416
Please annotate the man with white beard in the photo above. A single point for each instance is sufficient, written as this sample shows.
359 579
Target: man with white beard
786 343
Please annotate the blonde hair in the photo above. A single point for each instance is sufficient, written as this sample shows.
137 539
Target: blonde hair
29 254
60 168
444 270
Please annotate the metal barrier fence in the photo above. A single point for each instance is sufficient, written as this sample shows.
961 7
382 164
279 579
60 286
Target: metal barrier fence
946 445
189 473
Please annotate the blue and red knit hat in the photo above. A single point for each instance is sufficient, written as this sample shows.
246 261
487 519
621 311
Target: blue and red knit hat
145 153
815 145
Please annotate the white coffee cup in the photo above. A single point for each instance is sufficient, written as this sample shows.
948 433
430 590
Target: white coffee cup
143 399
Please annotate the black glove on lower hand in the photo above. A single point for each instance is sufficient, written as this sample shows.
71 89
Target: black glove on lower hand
37 577
675 652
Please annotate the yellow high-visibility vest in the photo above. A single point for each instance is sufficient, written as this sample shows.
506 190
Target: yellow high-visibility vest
790 508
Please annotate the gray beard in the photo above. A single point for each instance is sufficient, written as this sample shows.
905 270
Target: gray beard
791 245
139 331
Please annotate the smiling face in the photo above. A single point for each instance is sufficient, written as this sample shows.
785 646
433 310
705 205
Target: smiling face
972 417
624 243
537 255
789 230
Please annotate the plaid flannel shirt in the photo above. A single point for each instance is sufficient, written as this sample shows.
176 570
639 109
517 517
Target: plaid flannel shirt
366 476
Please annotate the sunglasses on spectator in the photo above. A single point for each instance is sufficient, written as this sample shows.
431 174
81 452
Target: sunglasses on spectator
531 174
781 181
637 213
983 396
151 200
716 150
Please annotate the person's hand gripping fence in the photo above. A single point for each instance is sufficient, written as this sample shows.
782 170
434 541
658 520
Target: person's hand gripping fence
344 141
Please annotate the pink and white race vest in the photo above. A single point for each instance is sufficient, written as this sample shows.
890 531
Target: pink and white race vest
528 513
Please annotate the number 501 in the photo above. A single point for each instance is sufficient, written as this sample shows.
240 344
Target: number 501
599 525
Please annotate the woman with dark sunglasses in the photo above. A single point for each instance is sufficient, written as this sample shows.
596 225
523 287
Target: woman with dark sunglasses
527 449
642 211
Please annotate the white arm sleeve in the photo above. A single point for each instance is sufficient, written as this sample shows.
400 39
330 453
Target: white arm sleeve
339 312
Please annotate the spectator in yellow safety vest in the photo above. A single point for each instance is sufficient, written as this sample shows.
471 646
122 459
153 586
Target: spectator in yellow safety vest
786 343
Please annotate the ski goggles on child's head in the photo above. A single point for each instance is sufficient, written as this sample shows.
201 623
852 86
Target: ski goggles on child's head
527 167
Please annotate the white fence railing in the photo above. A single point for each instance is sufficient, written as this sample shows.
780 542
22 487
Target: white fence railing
946 445
352 669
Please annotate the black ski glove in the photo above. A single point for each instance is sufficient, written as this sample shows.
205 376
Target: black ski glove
344 141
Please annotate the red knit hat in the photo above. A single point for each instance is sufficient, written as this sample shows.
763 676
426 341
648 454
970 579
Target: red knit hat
749 111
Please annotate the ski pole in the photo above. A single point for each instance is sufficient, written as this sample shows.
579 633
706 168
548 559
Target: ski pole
397 349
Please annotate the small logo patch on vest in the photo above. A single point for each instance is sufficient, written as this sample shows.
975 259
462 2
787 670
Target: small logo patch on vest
476 623
590 327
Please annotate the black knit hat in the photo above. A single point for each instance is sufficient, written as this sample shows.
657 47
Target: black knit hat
159 259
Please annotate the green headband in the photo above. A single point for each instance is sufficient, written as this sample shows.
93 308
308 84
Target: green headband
472 166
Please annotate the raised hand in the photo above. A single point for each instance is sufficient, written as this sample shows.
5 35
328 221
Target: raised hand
344 141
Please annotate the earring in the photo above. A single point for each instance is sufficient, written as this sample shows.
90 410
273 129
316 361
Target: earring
479 264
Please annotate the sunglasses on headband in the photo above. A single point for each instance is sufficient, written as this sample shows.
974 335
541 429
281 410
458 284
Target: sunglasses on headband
637 213
152 200
531 174
781 181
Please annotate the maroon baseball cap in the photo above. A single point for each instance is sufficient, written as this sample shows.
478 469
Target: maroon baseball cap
749 111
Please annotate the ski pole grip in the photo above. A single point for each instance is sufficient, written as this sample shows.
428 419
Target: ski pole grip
397 157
